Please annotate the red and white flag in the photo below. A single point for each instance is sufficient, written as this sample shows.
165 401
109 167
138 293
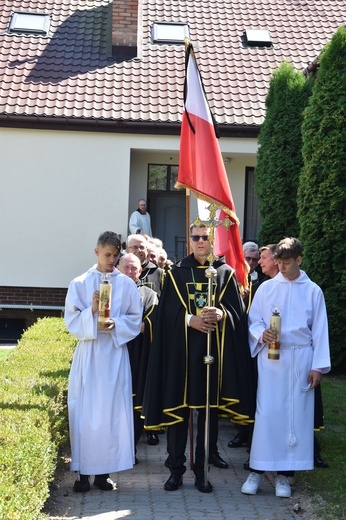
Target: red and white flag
201 166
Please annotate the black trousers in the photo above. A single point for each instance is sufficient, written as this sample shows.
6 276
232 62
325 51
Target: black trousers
177 439
138 425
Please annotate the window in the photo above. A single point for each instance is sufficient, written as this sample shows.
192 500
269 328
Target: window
162 177
252 219
29 23
256 38
169 33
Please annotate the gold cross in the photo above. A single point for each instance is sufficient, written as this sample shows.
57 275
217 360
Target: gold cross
212 223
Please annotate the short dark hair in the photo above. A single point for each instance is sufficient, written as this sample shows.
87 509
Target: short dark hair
197 226
270 247
109 238
288 247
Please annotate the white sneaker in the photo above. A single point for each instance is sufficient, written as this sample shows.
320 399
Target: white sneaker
282 487
250 487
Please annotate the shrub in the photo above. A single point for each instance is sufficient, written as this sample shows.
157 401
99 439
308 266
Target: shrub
33 417
322 187
279 158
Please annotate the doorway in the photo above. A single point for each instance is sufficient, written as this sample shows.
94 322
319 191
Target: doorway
167 208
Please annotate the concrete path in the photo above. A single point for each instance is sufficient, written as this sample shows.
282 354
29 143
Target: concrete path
139 492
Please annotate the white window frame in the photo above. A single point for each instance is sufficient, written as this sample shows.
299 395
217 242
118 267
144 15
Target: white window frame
169 33
29 23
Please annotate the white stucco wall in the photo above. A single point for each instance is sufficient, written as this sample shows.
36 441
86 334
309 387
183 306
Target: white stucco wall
60 190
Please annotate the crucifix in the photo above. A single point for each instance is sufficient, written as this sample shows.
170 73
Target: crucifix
212 223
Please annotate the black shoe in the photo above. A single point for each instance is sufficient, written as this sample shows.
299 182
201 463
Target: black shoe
152 439
82 485
103 482
199 483
217 461
173 483
238 440
136 461
167 463
320 463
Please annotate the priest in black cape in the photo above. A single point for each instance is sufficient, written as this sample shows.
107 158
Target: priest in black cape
151 275
176 381
139 347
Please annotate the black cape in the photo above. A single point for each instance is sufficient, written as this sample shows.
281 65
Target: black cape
152 276
177 374
139 347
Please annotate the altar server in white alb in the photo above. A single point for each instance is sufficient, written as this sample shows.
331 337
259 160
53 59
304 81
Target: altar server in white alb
100 385
284 423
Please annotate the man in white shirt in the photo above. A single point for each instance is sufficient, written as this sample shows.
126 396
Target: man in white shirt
140 222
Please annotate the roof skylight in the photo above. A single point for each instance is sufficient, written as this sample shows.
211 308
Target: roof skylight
169 33
29 23
257 38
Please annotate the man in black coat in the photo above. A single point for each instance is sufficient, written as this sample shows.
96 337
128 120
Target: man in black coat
139 347
177 373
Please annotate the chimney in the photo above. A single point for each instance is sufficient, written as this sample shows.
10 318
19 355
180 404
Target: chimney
124 28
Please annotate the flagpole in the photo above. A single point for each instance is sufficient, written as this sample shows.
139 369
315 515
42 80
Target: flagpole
187 219
187 234
208 360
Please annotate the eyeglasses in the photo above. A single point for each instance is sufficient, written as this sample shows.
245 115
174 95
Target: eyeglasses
249 259
141 248
196 238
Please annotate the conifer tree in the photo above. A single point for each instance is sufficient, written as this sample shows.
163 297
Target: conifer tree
279 158
322 187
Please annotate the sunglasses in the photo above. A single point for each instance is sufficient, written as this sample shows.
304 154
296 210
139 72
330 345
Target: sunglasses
196 238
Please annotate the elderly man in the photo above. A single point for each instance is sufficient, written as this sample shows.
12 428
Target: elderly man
251 255
267 262
151 275
139 347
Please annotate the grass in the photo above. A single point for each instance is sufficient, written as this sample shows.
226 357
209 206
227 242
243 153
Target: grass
4 353
327 486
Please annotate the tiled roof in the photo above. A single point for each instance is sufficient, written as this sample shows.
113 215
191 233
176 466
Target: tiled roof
72 76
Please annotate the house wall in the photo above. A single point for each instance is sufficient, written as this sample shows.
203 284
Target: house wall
238 154
60 190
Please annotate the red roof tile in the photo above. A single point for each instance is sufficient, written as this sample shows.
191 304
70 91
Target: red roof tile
71 74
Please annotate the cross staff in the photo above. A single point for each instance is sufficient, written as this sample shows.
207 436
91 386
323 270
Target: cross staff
212 223
208 360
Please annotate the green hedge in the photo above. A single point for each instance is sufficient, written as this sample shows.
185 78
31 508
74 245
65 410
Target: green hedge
279 158
322 188
33 417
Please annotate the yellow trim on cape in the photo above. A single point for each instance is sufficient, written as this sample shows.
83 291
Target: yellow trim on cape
224 408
